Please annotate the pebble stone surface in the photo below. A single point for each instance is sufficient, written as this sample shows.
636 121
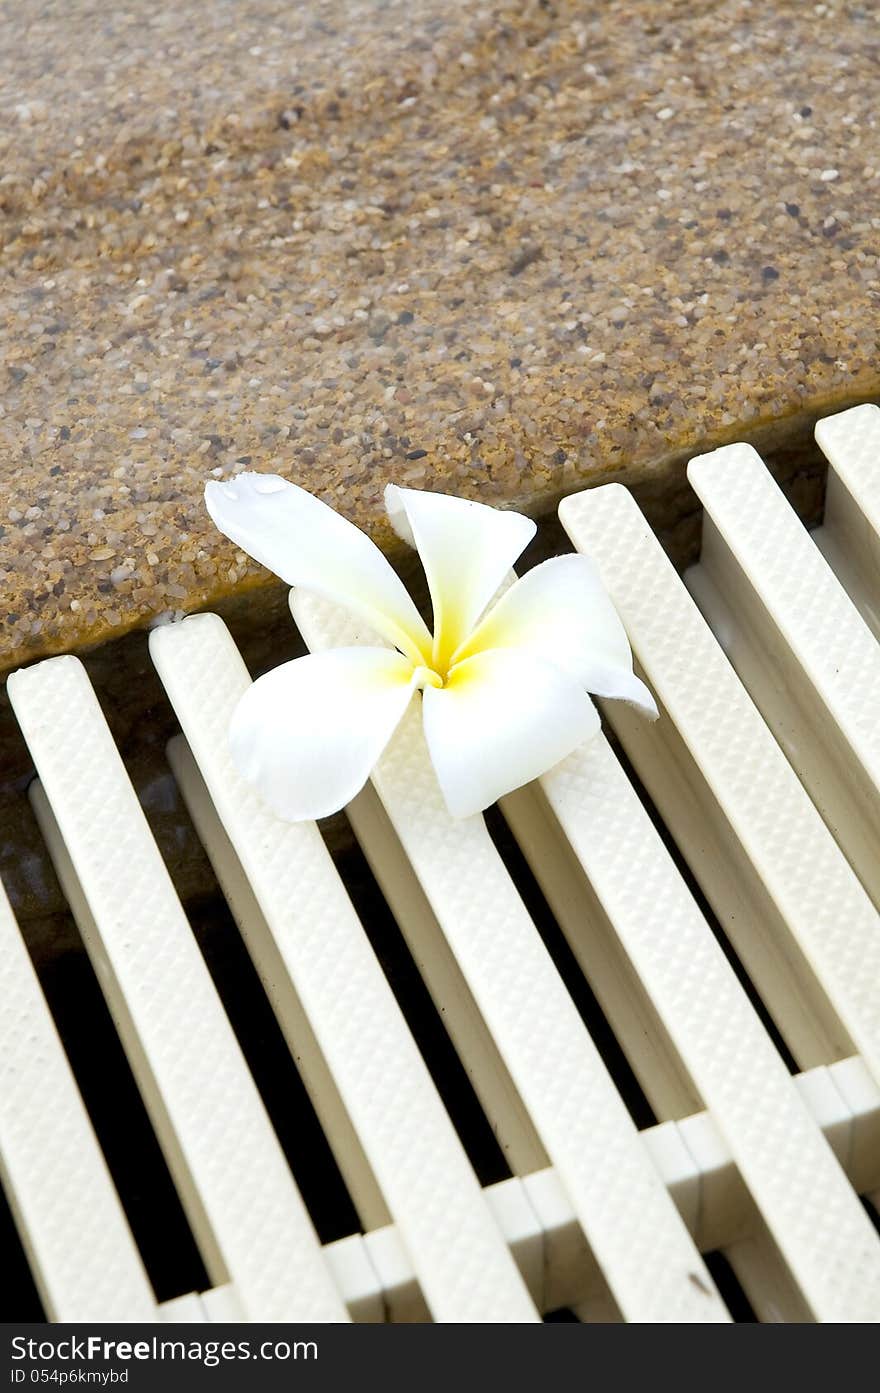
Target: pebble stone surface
499 249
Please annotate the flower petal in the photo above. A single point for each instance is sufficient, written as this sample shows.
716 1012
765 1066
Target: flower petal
560 611
466 549
306 543
503 718
309 732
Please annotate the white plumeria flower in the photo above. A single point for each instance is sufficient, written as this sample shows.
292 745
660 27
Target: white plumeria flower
503 685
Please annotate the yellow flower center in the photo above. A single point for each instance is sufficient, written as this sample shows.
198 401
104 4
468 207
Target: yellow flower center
427 677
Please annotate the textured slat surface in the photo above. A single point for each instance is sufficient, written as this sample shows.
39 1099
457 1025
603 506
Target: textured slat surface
797 640
798 1186
245 1209
850 534
636 1234
80 1247
791 871
463 1264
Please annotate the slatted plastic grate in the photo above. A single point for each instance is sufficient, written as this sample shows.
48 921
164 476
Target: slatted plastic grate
765 769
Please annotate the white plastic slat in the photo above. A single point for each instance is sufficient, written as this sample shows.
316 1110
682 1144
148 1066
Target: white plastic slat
516 1218
635 1232
850 534
724 1209
861 1096
779 884
571 1277
246 1212
357 1279
797 640
402 1295
183 1310
793 1176
467 1030
80 1248
817 1089
330 1109
223 1305
766 1280
463 1264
